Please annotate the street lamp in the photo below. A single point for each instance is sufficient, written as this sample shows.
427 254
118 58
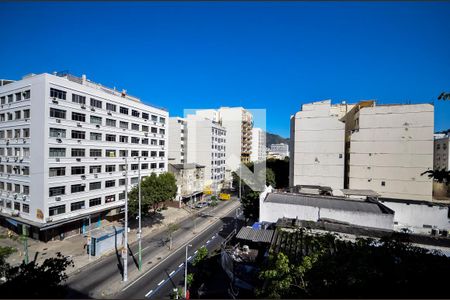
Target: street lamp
185 270
140 228
125 258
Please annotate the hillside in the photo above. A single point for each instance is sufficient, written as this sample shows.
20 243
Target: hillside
275 139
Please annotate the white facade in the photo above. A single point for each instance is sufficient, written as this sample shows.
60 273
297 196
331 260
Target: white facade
317 145
177 140
206 142
281 150
390 146
72 140
258 145
441 153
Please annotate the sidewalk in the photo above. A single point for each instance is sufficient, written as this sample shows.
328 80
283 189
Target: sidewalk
75 246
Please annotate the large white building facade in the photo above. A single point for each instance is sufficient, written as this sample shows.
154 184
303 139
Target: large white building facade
177 140
383 148
258 152
64 145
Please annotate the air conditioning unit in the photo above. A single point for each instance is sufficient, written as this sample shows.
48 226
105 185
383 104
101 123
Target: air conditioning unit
58 120
16 158
95 158
83 177
95 175
57 159
79 124
79 141
146 134
58 198
7 142
15 213
24 141
7 159
78 159
48 219
98 126
83 106
15 196
124 173
83 184
59 140
24 197
55 101
109 113
92 109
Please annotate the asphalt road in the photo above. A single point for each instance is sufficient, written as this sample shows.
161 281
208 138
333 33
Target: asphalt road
160 281
98 276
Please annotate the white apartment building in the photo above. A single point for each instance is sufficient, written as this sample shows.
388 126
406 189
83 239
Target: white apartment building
206 146
64 145
258 152
317 145
383 148
281 150
238 123
441 152
177 140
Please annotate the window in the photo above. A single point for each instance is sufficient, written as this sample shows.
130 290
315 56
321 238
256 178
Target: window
145 128
77 152
134 126
110 183
78 99
110 122
134 140
95 201
121 181
57 152
162 142
57 113
134 153
123 139
26 208
135 113
144 166
57 133
18 114
26 190
26 94
145 141
95 136
110 198
95 153
56 191
154 130
25 170
78 117
95 169
17 206
16 133
26 152
79 135
162 131
77 188
122 167
110 153
95 186
54 93
18 96
153 153
162 120
3 100
134 180
57 210
77 205
154 118
110 168
2 118
110 106
161 153
122 196
96 120
57 171
17 188
96 103
134 167
26 113
144 153
145 116
123 153
110 138
10 98
153 165
78 170
161 165
123 110
123 124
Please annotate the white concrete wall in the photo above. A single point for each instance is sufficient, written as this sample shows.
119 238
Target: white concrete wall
318 146
258 145
394 145
414 216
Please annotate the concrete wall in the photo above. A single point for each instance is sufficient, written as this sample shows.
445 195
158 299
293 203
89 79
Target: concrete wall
390 148
176 151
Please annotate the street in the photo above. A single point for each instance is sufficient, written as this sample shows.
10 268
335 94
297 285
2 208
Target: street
100 279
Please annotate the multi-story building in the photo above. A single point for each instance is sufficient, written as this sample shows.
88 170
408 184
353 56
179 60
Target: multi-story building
190 181
281 150
258 152
67 146
206 145
238 123
441 152
177 140
383 148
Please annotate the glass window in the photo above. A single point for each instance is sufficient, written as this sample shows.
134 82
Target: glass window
123 110
110 122
110 198
96 103
57 152
78 170
110 168
79 135
77 188
78 152
134 126
162 120
54 93
110 138
135 113
26 113
154 118
134 140
123 139
96 120
78 99
95 186
76 205
110 106
95 152
57 171
123 124
110 153
95 201
26 208
57 113
145 116
57 210
95 136
56 191
95 169
78 117
57 133
110 183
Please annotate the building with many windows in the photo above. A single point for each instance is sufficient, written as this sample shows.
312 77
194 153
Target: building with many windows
177 140
258 145
68 146
441 152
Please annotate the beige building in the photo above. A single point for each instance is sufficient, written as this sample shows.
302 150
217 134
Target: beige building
441 152
383 148
190 181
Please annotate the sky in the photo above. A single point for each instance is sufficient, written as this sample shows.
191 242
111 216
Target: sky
259 55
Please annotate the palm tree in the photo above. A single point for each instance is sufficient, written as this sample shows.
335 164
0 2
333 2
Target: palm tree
438 175
444 96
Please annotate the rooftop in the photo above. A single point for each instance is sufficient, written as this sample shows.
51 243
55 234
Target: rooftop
186 166
330 202
255 235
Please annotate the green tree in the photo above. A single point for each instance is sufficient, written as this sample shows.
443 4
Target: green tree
154 191
438 175
201 255
444 96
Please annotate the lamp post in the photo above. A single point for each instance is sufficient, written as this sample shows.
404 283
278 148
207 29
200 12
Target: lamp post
185 270
140 228
125 257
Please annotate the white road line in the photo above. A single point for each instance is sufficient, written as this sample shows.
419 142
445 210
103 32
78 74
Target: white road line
151 291
195 251
207 242
180 265
189 257
162 281
171 273
213 237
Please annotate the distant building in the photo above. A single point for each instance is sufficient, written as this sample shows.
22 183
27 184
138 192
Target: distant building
441 152
190 181
281 150
258 145
177 140
383 148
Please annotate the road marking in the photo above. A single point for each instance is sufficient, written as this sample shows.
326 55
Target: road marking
180 265
151 291
207 242
213 237
171 273
189 257
195 251
162 281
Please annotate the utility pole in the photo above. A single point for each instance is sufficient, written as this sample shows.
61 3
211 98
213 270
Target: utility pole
185 270
89 239
140 228
125 252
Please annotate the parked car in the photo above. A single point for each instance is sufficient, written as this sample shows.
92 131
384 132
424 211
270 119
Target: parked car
201 204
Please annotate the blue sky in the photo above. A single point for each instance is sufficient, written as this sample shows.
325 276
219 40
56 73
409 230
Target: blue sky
265 55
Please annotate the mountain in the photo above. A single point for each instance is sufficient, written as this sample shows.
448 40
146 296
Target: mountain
275 139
